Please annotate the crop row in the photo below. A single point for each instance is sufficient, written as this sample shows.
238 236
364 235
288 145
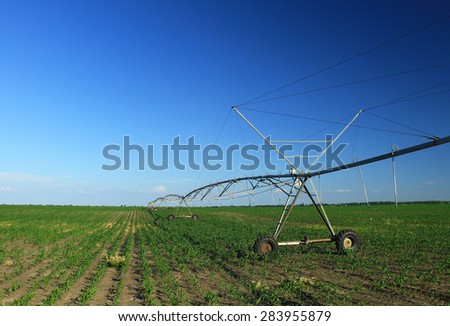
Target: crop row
133 256
70 266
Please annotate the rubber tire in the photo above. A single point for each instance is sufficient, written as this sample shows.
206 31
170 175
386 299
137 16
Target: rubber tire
170 217
265 245
194 217
342 241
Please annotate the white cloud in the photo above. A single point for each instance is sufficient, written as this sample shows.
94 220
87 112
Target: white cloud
7 189
24 178
430 182
155 190
159 189
343 190
86 192
180 180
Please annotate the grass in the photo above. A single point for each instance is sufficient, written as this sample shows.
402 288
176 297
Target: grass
403 259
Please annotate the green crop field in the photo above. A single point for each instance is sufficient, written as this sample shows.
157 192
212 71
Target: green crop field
56 255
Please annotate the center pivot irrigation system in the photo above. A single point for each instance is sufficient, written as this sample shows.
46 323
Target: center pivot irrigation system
292 184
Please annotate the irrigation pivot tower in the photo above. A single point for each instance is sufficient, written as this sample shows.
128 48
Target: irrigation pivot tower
292 185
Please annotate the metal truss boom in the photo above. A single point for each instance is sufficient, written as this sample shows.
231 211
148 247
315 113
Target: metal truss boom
280 181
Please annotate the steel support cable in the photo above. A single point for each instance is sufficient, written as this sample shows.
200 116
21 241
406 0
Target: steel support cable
330 121
216 140
300 117
242 131
425 134
419 97
401 99
410 96
386 104
404 151
361 81
333 123
348 59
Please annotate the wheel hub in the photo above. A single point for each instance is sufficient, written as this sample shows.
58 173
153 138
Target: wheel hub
348 243
265 248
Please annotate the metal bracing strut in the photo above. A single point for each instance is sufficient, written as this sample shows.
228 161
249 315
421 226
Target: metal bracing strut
394 149
186 204
321 212
262 244
355 159
288 206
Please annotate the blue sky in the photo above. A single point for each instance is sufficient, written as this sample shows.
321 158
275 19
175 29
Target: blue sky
76 76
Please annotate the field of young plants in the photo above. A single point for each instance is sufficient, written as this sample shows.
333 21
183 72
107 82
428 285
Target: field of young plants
63 255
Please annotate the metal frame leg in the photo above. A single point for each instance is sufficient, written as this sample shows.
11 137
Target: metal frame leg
288 206
321 212
187 206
